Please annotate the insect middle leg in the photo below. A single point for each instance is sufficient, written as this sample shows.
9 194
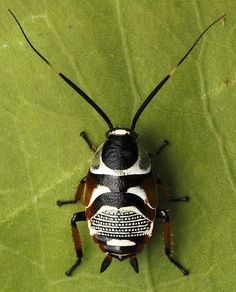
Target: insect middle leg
78 194
164 191
162 214
80 216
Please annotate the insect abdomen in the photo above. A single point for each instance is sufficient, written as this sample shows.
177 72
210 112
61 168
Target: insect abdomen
120 223
120 220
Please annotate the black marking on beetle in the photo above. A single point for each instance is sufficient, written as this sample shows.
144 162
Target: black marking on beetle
120 152
120 250
120 183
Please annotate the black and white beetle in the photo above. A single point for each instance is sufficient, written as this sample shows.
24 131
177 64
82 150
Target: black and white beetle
120 191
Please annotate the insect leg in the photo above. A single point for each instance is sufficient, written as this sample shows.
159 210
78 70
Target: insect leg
87 140
162 214
163 190
160 149
80 216
78 194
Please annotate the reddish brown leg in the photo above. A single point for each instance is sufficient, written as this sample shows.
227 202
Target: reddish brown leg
162 214
80 216
87 140
164 191
78 194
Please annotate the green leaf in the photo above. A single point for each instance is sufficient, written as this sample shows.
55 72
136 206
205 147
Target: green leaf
117 51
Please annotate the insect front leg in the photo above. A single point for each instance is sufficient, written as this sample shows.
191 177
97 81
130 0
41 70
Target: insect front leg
160 149
162 214
78 194
80 216
164 191
88 142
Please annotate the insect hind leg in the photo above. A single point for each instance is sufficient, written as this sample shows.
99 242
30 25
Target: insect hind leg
80 216
163 214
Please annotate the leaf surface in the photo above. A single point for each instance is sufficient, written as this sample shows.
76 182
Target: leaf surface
117 51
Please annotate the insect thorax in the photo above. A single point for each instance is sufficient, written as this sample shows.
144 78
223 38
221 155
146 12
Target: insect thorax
121 155
119 214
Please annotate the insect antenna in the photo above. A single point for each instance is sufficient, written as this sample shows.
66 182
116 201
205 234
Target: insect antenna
168 76
66 79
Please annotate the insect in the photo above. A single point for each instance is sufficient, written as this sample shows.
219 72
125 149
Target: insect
120 191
